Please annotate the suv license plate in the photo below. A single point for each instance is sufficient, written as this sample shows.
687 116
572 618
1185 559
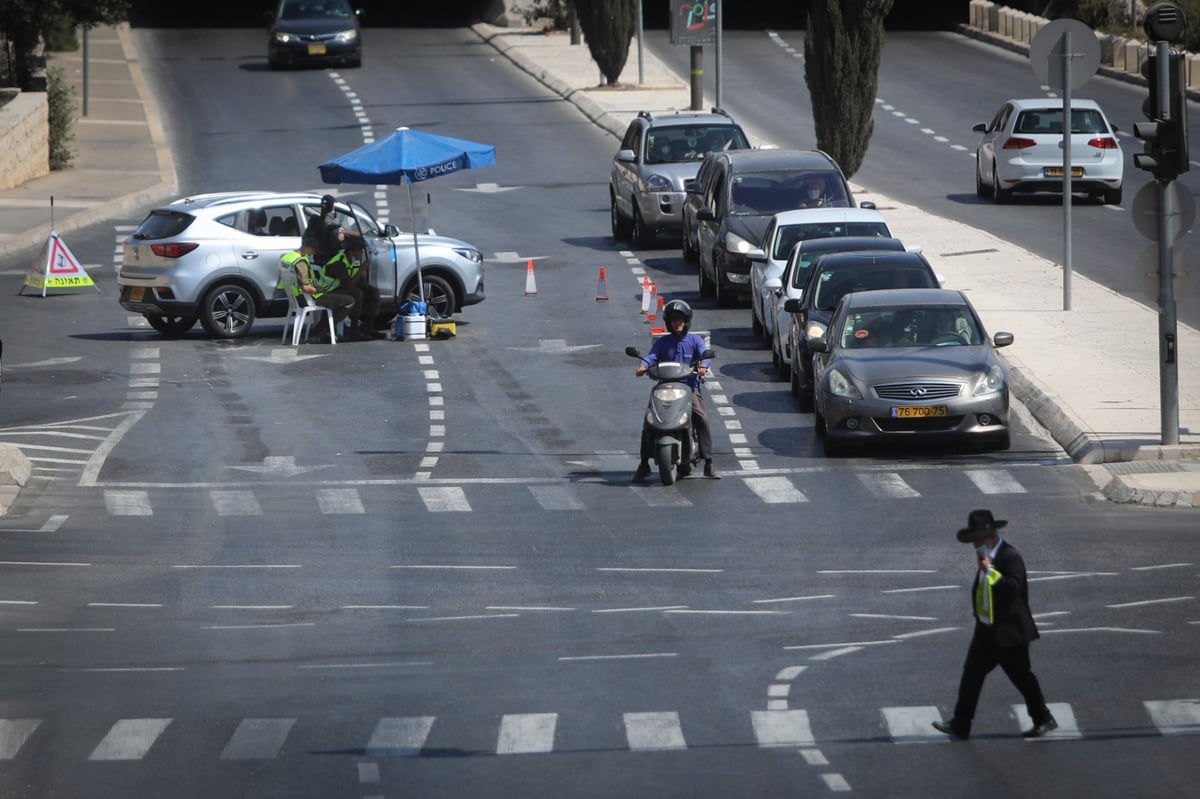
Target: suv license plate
917 411
1057 172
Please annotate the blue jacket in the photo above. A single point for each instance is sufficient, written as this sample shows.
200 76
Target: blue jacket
682 350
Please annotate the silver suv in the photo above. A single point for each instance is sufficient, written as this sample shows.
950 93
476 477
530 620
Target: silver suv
215 257
658 155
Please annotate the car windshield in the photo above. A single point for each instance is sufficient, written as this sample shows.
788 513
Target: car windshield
833 284
759 193
670 145
315 9
1049 120
787 236
934 326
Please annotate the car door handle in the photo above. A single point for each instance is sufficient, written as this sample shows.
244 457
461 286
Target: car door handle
250 255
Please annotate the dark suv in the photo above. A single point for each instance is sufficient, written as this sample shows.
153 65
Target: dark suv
830 278
658 154
740 193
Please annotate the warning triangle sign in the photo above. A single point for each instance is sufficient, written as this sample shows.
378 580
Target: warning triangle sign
56 267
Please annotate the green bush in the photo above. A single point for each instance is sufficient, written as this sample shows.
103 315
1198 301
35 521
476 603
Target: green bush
60 101
59 35
554 10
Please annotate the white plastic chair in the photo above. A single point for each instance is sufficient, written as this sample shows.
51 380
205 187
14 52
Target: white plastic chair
301 310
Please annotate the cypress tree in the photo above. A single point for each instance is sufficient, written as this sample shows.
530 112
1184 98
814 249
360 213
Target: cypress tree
843 46
608 26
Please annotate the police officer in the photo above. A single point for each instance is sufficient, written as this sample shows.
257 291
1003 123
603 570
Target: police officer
310 280
348 269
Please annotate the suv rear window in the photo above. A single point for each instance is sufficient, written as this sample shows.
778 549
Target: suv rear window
163 224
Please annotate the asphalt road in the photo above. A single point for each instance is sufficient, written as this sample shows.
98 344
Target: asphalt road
386 569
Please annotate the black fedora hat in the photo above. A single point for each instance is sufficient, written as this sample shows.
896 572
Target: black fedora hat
980 525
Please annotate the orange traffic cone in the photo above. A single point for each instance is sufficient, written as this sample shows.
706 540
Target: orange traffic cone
602 287
530 281
647 304
650 317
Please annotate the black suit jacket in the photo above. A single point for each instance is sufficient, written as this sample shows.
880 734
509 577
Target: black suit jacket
1013 625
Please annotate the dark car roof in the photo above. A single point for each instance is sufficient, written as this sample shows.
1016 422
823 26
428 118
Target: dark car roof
865 258
879 298
770 160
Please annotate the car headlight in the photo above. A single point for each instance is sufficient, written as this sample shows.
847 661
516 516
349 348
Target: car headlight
736 244
284 38
658 183
992 382
475 256
346 37
814 330
840 385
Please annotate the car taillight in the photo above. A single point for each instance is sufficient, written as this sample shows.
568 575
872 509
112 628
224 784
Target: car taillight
1015 143
172 250
1103 143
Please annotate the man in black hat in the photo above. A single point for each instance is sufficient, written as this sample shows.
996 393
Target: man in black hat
1003 629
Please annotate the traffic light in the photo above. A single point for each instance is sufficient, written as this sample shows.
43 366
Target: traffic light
1166 149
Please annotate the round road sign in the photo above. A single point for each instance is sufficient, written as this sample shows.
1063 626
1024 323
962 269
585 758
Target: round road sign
1046 53
1145 210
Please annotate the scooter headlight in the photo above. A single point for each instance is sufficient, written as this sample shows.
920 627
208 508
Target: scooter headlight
669 393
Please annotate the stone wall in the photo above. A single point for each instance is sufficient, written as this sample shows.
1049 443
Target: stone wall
24 139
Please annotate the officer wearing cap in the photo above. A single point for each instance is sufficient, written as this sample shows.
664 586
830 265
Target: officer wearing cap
1004 628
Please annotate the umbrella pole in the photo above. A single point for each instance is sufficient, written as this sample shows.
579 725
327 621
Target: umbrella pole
416 250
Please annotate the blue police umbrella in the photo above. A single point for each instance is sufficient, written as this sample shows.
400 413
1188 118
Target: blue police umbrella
408 156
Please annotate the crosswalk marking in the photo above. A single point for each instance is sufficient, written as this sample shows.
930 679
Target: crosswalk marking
782 727
1176 716
444 498
526 733
654 731
129 739
775 490
235 503
1064 714
552 497
399 737
128 503
908 725
888 484
13 735
257 739
339 500
992 481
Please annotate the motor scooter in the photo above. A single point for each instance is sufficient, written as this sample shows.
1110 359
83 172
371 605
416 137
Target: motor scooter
668 417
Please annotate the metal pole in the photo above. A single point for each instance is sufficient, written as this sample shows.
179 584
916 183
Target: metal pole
1068 54
85 70
720 75
1167 320
641 67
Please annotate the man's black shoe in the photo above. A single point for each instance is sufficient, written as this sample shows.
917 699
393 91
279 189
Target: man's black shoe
951 729
1049 725
643 471
710 471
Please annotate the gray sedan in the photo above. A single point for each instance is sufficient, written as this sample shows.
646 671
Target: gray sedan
909 365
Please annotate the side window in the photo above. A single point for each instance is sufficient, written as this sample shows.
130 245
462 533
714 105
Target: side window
715 197
769 241
630 142
281 221
1002 116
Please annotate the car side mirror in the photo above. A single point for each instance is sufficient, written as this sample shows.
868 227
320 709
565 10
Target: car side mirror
980 127
773 284
818 345
1002 340
692 187
867 204
627 156
705 215
756 255
390 230
792 305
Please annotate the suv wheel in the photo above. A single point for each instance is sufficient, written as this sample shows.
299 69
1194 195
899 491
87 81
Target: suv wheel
171 326
620 226
227 311
439 296
643 235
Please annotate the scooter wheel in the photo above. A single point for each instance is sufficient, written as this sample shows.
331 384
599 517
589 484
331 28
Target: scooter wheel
666 465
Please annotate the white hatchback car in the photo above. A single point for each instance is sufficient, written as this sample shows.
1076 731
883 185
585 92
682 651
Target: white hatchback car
1022 151
785 230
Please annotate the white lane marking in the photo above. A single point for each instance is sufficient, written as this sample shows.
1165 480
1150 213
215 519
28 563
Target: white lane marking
526 733
434 566
642 656
774 490
235 503
237 566
1064 714
658 570
439 499
782 728
792 599
399 737
339 501
654 731
841 644
814 757
13 735
257 739
1175 716
392 665
1162 566
40 563
836 782
128 503
129 739
556 498
639 610
467 618
890 616
913 725
1144 602
994 481
66 629
124 605
888 485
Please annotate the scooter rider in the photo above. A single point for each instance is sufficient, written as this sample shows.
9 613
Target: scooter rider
685 347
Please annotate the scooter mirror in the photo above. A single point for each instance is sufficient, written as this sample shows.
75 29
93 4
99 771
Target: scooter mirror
708 354
632 352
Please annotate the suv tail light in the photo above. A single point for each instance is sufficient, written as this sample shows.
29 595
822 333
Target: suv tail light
1103 143
173 250
1017 143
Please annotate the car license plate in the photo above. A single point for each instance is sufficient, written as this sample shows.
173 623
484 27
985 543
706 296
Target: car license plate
135 294
319 49
917 411
1057 172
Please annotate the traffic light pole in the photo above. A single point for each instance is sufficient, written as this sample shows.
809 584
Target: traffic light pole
1167 318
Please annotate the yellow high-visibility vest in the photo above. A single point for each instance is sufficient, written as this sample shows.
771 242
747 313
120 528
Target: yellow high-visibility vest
985 608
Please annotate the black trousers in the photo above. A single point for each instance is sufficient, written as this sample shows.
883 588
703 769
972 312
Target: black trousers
985 654
699 421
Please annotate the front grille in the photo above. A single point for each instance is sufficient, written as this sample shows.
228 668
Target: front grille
929 424
917 392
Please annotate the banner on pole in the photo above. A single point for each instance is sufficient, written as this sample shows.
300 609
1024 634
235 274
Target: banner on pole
56 267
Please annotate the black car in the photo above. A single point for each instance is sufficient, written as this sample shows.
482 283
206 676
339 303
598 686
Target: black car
314 32
832 277
741 192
